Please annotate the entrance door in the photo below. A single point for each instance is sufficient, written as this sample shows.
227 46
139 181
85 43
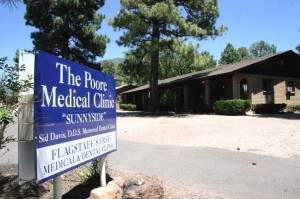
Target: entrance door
244 90
220 91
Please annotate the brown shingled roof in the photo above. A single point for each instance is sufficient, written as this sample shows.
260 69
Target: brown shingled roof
220 70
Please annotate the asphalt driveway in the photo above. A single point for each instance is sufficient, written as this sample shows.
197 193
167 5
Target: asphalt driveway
211 156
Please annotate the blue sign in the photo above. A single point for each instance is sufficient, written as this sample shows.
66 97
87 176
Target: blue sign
74 114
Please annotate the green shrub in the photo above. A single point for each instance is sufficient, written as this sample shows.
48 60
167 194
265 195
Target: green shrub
128 107
293 108
231 107
268 108
10 88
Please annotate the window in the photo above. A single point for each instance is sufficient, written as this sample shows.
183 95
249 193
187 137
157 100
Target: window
244 89
290 87
268 85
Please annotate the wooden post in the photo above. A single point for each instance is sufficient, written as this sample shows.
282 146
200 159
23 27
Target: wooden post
185 97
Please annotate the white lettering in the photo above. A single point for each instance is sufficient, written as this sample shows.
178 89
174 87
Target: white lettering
49 98
61 72
94 84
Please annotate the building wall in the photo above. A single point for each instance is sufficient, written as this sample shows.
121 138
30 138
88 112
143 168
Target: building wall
256 93
197 94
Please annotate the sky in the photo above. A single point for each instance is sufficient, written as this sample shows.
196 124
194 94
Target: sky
274 21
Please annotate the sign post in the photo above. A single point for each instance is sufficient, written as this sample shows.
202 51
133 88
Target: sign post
74 116
57 187
102 166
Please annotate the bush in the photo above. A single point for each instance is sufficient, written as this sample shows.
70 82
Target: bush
293 108
231 107
10 88
128 107
268 108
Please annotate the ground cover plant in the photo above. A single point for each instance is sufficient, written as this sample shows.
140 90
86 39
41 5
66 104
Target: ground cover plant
293 108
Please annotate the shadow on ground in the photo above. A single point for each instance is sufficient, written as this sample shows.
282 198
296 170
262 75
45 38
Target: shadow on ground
288 116
84 189
148 115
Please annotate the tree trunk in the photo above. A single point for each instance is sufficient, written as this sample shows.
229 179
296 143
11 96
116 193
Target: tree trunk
154 67
65 53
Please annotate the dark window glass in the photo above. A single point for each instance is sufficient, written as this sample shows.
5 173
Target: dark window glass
268 85
290 87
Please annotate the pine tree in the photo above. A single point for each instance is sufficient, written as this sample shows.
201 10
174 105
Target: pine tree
230 55
68 28
10 3
152 25
179 59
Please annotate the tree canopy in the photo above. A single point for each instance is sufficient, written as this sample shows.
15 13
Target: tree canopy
298 49
244 53
183 58
68 28
178 60
230 55
111 67
10 3
262 48
152 25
